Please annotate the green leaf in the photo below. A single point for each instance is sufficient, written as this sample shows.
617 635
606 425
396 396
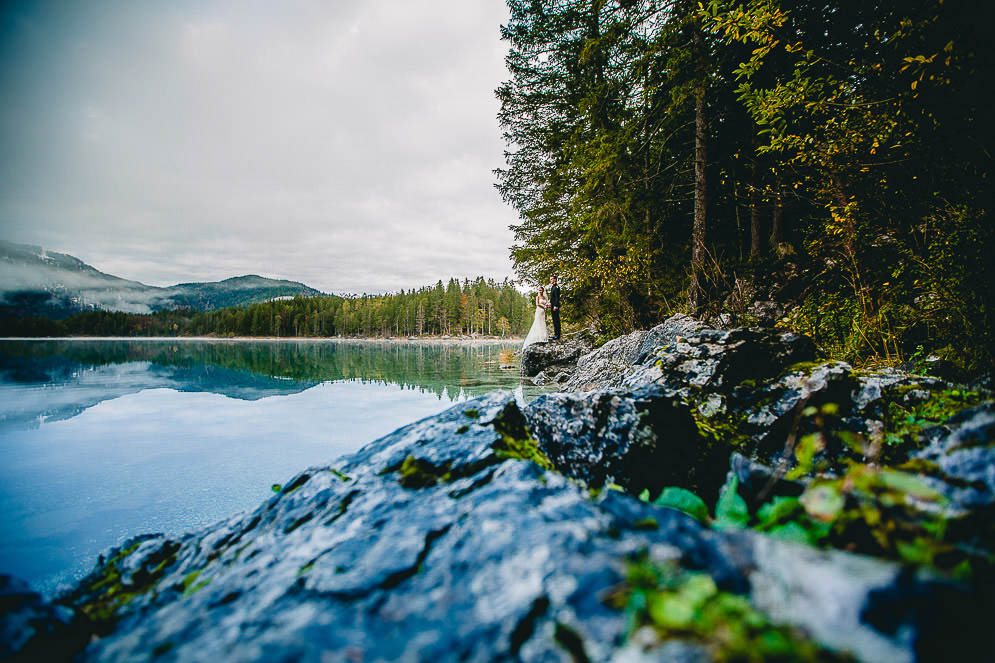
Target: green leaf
683 500
908 483
791 532
777 510
822 502
730 510
645 495
671 610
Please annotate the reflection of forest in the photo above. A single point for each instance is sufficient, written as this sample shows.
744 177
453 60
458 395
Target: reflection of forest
437 368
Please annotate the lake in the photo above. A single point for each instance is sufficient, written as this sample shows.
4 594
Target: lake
101 440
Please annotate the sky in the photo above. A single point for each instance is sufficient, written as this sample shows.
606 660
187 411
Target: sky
347 144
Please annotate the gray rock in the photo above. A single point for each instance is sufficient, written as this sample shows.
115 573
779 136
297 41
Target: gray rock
555 355
965 457
34 630
644 439
437 543
612 365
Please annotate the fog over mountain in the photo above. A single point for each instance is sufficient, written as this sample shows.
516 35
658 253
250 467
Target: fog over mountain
42 283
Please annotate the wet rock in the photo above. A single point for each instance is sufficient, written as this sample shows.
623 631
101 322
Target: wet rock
32 629
604 367
551 376
452 540
719 360
963 459
554 355
629 360
644 439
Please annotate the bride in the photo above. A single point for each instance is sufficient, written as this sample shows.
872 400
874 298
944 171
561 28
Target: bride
538 333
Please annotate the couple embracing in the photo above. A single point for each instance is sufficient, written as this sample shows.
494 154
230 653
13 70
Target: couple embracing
544 301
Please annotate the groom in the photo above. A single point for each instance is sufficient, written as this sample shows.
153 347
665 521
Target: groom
554 307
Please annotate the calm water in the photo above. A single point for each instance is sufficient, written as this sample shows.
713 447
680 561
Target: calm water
102 440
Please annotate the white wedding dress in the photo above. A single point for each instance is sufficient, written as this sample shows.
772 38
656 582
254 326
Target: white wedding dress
538 333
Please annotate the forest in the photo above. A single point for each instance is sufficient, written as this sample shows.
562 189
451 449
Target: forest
674 156
477 307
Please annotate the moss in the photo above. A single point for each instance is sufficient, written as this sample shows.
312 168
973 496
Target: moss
189 579
907 413
101 595
472 413
522 449
462 429
307 567
420 473
516 441
803 367
340 475
646 523
688 606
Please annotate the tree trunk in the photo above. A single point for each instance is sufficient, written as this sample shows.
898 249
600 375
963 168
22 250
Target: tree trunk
700 205
777 220
756 244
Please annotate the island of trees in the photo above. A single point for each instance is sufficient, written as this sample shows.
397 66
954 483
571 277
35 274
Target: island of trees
467 308
669 155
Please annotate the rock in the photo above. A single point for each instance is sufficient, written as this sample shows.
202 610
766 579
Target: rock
764 313
560 355
451 540
32 629
645 439
612 365
964 458
604 367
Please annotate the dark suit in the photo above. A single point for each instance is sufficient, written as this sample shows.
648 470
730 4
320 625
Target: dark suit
554 304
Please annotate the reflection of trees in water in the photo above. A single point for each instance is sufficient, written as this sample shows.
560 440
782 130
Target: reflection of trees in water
435 368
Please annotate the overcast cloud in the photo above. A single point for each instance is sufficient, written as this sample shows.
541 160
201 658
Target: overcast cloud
347 144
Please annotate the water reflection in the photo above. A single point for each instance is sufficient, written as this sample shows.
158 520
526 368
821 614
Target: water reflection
77 374
103 440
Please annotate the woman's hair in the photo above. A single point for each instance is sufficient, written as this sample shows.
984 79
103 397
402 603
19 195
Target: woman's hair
541 290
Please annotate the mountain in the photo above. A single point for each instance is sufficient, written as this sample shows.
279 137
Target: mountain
35 282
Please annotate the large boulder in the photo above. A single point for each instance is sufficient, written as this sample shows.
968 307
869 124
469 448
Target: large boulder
620 360
554 356
640 440
452 540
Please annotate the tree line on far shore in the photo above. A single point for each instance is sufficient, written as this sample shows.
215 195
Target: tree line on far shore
680 156
477 307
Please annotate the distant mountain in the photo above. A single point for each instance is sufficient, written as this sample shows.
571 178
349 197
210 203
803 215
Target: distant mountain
35 282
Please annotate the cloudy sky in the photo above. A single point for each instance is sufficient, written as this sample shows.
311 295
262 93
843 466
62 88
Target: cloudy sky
347 144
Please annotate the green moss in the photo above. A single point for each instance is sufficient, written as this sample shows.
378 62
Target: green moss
189 579
522 449
516 441
340 475
805 367
688 606
646 523
307 567
462 429
907 415
472 413
101 595
420 473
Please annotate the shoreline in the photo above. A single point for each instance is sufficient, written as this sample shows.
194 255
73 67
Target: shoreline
452 340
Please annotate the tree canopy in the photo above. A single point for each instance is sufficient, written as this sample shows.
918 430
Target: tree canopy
664 155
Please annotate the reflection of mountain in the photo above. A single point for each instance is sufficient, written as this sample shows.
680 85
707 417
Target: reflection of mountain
61 388
34 282
71 376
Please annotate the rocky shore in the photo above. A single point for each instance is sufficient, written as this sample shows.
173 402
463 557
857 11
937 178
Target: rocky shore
692 495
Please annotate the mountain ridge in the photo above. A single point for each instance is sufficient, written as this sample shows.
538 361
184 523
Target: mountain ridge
39 283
